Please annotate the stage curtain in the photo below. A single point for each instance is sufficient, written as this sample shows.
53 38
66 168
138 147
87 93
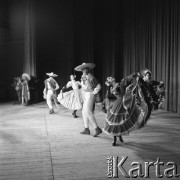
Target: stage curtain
108 38
29 64
152 40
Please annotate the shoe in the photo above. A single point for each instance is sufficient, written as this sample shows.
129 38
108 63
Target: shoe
26 104
86 131
98 131
51 111
114 142
75 116
121 139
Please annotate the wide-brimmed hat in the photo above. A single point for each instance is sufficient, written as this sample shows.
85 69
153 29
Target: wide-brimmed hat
84 65
27 76
52 74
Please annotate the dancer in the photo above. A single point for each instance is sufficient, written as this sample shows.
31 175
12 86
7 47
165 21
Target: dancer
124 114
149 94
18 87
91 88
72 99
132 108
51 86
110 94
150 90
25 88
161 92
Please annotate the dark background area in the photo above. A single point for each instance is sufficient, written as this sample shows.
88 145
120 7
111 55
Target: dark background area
119 36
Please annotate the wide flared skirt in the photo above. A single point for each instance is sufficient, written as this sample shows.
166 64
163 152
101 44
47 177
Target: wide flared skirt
117 125
144 108
71 100
108 103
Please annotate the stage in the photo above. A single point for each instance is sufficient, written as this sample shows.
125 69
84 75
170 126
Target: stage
35 145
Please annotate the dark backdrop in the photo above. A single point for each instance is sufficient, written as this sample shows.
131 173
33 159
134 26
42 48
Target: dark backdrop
119 36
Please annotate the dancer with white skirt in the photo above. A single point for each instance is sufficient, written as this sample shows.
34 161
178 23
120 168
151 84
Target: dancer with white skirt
72 99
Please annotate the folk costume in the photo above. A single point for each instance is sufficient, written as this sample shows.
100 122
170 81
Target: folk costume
131 110
91 88
151 93
25 88
110 96
72 99
123 116
18 87
51 86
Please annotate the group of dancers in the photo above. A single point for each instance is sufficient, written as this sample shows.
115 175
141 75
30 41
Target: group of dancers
23 86
128 104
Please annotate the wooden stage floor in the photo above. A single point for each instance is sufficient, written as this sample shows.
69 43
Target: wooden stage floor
35 145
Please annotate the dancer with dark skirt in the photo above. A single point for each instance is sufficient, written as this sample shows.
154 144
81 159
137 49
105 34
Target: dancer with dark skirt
150 92
136 97
110 96
123 115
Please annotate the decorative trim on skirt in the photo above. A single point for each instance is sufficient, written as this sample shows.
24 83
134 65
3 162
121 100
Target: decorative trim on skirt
126 125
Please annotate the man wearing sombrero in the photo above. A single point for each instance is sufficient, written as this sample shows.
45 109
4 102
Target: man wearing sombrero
50 91
91 87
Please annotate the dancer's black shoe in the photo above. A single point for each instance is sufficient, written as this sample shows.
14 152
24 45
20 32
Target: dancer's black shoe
86 131
74 114
51 111
98 131
121 139
114 142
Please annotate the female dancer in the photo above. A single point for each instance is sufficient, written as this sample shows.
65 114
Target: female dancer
72 99
25 88
124 114
110 94
17 84
132 108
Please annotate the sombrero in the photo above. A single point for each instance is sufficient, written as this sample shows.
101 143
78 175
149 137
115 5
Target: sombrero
27 76
52 74
85 65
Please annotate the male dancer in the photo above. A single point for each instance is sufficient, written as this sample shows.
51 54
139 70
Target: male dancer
50 91
91 87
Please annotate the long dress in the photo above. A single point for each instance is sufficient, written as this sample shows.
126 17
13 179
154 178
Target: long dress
129 110
73 99
25 92
123 114
150 96
132 109
18 87
109 98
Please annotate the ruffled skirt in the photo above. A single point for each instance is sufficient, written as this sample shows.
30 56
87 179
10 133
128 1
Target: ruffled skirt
128 113
144 108
119 120
71 100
